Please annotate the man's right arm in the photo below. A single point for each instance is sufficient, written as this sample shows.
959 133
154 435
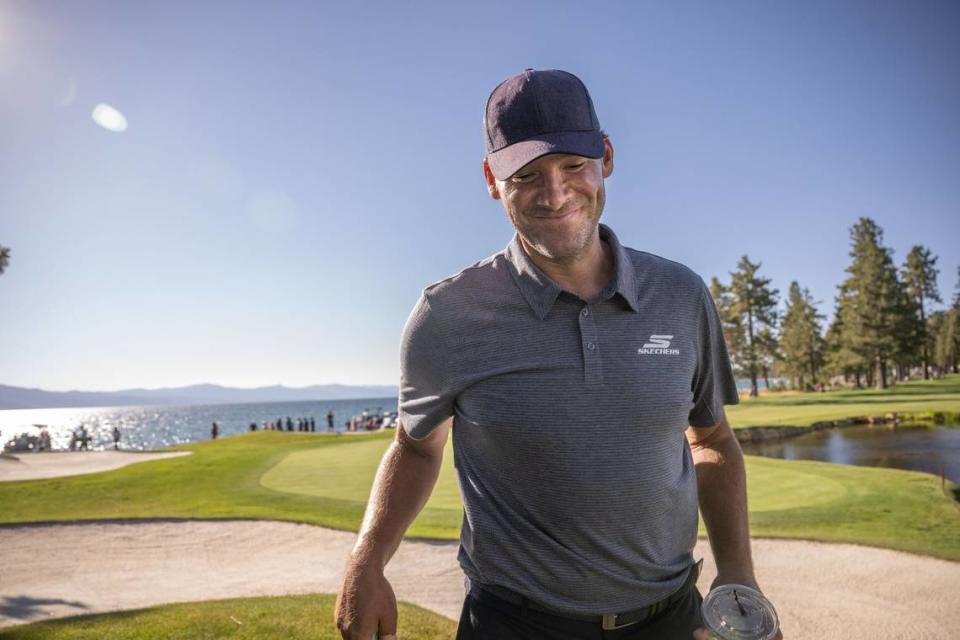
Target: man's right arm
405 479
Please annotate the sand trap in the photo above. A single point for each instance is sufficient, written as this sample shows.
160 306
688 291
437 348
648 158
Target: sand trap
55 464
822 590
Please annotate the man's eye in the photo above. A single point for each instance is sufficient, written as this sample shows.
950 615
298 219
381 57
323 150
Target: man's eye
523 177
577 167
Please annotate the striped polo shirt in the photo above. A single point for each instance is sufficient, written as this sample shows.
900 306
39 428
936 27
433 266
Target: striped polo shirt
568 422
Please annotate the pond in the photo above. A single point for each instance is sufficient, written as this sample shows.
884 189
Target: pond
915 448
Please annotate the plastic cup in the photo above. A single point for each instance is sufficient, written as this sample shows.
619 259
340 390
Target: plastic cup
736 612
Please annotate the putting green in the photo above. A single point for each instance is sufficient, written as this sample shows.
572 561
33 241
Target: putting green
346 472
775 486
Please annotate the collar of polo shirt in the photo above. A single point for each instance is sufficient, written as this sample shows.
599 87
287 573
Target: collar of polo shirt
541 292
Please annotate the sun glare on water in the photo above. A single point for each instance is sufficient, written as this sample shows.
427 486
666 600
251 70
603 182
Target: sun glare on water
109 118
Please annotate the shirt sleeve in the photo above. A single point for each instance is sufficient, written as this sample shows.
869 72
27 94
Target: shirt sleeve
426 398
714 384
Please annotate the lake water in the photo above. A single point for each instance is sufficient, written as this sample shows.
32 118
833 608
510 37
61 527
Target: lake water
153 427
915 448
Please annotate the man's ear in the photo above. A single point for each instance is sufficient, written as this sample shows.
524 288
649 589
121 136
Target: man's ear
491 181
607 157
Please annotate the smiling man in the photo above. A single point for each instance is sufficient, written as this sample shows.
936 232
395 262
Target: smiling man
584 383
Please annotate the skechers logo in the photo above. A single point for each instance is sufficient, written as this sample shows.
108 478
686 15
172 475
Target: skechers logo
658 345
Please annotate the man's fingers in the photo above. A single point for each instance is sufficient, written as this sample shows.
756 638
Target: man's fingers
388 624
701 634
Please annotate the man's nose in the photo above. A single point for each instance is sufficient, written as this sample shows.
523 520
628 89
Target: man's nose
553 191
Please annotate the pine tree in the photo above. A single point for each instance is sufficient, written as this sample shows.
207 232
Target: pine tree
956 293
753 305
729 322
919 276
948 338
870 303
4 258
908 337
840 358
944 327
801 343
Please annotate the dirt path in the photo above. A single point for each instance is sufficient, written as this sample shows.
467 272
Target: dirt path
822 590
56 464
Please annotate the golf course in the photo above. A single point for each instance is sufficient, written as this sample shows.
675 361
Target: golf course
324 480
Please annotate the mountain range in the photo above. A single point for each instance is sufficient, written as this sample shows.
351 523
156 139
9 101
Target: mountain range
199 394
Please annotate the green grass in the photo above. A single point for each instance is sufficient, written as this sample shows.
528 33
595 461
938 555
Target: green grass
921 398
904 510
288 617
325 480
348 474
220 480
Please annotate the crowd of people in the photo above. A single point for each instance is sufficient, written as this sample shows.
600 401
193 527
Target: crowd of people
301 424
367 421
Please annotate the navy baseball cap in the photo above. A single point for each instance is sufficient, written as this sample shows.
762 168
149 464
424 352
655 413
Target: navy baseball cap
539 112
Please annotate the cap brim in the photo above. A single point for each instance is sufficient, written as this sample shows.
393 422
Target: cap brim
507 161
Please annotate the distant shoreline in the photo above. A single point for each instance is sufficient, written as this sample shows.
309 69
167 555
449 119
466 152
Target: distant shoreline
16 398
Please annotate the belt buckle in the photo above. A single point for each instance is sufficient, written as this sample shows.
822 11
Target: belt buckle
609 622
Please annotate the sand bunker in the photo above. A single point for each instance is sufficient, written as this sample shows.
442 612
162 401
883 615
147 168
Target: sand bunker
822 591
55 464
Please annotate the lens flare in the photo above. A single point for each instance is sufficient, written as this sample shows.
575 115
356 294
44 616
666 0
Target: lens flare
109 118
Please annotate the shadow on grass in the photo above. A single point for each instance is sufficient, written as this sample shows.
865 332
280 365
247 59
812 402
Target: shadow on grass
28 608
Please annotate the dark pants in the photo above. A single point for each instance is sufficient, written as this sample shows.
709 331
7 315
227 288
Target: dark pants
487 617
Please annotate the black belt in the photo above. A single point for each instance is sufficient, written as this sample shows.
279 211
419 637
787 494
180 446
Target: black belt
608 621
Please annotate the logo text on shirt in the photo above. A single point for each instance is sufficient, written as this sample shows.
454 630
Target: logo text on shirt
658 345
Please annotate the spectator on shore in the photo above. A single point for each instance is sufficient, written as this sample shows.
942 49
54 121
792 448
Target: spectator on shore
253 426
289 424
214 430
313 425
116 438
329 419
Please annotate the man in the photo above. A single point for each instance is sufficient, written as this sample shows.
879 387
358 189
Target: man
585 385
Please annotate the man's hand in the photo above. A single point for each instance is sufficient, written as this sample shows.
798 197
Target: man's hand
409 469
366 604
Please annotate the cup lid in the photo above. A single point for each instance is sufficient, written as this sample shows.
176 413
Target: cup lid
737 612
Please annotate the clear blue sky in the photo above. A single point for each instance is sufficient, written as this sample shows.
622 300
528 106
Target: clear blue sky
294 173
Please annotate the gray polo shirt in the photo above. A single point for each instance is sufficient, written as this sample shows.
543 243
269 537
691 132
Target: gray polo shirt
578 485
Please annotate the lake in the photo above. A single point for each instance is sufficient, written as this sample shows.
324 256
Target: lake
915 448
144 428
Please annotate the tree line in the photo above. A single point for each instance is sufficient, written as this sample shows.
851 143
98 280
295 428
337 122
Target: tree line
882 327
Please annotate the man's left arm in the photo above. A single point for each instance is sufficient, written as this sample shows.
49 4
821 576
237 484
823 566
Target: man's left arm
722 488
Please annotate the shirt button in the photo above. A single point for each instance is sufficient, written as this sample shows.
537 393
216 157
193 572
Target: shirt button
591 346
585 312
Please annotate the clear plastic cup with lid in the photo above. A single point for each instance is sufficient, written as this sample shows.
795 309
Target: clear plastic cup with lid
736 612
